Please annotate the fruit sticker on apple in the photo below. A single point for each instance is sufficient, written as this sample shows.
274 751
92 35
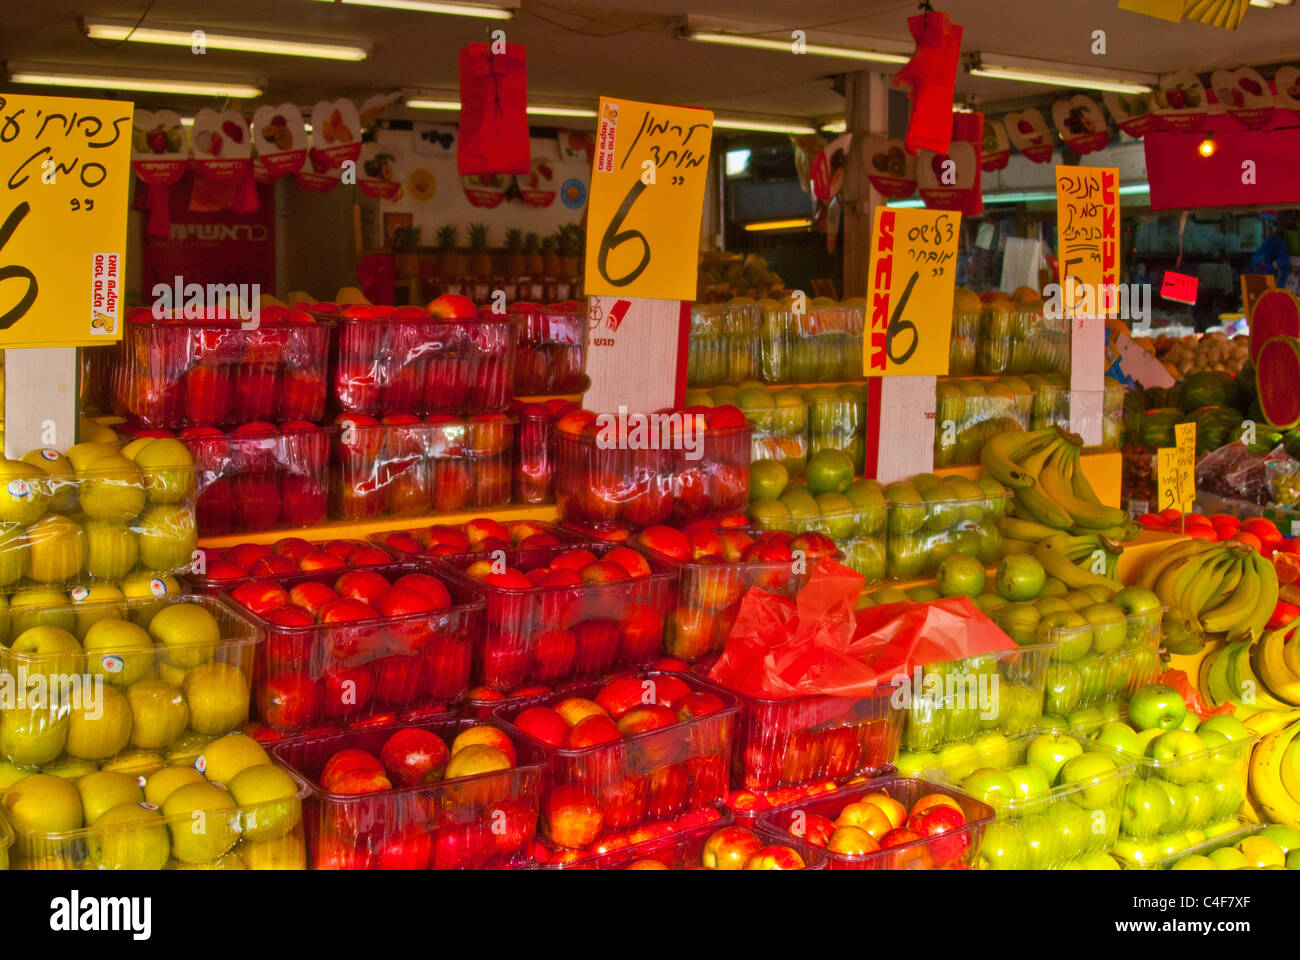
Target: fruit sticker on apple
1028 132
890 168
995 150
1080 123
223 148
1132 111
279 141
1245 95
1180 102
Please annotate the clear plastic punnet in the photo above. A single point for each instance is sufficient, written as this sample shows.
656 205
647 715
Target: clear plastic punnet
368 816
1017 339
1098 662
954 848
942 520
216 570
171 373
551 349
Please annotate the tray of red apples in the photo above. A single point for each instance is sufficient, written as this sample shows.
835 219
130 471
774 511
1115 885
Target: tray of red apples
551 350
480 535
695 465
640 749
562 613
534 472
367 646
703 840
717 560
171 372
448 358
893 823
215 570
440 794
402 465
259 476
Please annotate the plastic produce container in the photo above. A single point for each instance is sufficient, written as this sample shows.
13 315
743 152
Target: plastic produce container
1052 408
592 793
451 540
1020 340
551 350
114 520
961 348
169 373
549 635
680 850
252 836
423 364
839 424
947 851
708 597
534 470
409 468
485 821
259 476
1066 823
779 431
859 535
1233 832
956 701
225 569
1091 664
724 346
825 344
970 412
790 742
920 536
137 690
643 487
364 671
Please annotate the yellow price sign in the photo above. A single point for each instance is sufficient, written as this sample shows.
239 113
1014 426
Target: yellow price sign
1167 478
65 168
1087 227
909 298
1185 444
647 197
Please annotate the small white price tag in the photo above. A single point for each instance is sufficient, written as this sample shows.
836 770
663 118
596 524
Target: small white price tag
1295 528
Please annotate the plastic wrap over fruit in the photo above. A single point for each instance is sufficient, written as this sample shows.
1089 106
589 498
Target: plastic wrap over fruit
895 638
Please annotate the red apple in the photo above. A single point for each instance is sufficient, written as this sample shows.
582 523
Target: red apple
509 580
644 718
667 541
369 556
706 544
729 848
289 615
700 704
671 692
602 571
641 632
244 554
544 724
320 560
621 695
260 597
348 760
775 858
573 560
444 536
573 817
311 596
817 829
734 544
272 566
633 563
482 734
345 610
575 709
364 585
361 781
224 570
414 756
453 306
482 528
591 731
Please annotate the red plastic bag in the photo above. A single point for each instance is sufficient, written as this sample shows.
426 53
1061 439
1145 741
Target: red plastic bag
931 77
1179 680
493 104
895 638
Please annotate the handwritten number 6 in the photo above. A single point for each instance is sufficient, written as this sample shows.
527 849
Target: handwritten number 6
898 325
7 320
614 237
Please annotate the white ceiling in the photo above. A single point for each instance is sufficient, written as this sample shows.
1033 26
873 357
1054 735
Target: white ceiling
629 48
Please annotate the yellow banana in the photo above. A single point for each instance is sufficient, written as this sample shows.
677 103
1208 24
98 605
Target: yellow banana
1055 485
1204 585
1267 600
1181 637
1018 528
1270 666
1051 554
1236 611
1231 580
1000 455
1151 572
1010 545
1036 455
1291 653
1253 691
1080 484
1172 586
1204 673
1033 504
1272 799
1290 770
1265 722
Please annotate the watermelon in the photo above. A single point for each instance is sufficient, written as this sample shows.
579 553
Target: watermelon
1215 426
1210 388
1156 427
1276 314
1277 371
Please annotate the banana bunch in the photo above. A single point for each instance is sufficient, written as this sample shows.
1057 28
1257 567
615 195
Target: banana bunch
1076 560
1274 782
1042 469
1230 674
1212 591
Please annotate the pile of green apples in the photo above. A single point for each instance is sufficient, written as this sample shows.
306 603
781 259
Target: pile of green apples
828 500
1056 802
1276 847
723 343
1190 775
931 518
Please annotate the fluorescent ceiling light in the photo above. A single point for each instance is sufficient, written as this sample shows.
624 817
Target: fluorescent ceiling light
423 103
205 88
835 126
247 43
1024 196
429 6
785 46
1266 4
779 224
1000 67
544 110
762 126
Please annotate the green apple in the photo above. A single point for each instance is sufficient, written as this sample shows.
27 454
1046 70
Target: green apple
1069 634
993 750
1019 621
1094 676
1018 708
1074 831
1095 773
1115 735
1063 689
1050 605
924 722
1230 728
1003 848
992 786
1221 828
1099 592
1019 577
1288 838
1198 798
1229 858
1229 790
1180 756
1157 705
1147 808
1108 627
1053 588
1177 807
1220 755
1146 738
1190 722
1195 862
1085 720
1139 852
1136 600
1293 860
1110 709
1050 752
986 603
1043 839
913 764
1029 782
1099 861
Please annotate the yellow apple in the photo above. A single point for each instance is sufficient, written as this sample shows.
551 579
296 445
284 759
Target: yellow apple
203 820
119 651
130 837
159 712
31 736
105 789
267 800
188 631
112 489
101 730
57 546
224 759
160 784
218 697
